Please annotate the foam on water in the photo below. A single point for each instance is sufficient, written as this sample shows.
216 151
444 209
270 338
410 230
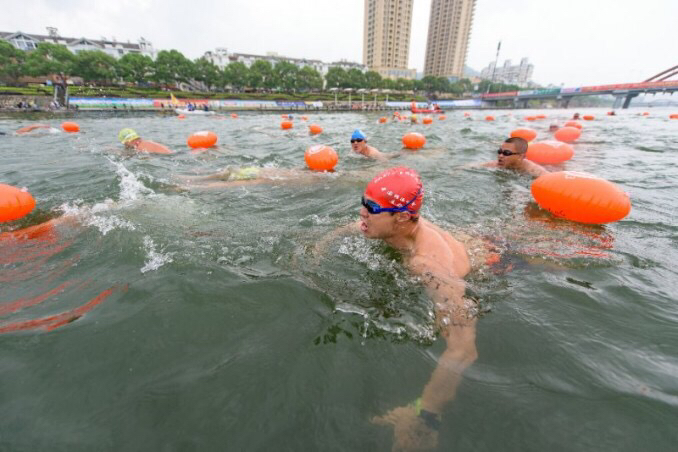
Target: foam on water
154 258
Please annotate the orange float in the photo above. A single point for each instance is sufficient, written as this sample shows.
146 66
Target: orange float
442 118
304 118
315 129
525 133
581 197
531 118
610 113
646 113
467 114
414 140
540 116
286 125
321 158
70 127
489 118
15 203
427 121
589 117
573 124
673 116
567 134
284 116
549 152
234 116
181 117
383 120
202 139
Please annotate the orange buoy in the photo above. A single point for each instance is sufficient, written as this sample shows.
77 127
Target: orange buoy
589 117
383 120
525 133
315 129
181 117
646 113
286 125
573 124
321 158
489 118
467 114
202 139
234 115
673 116
414 140
15 203
567 134
442 118
531 118
427 120
540 116
581 197
304 118
610 113
70 127
284 116
549 152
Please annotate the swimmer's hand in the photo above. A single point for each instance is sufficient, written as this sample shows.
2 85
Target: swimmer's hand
410 432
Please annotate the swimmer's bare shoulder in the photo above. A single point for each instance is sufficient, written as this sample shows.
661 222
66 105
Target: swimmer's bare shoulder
456 257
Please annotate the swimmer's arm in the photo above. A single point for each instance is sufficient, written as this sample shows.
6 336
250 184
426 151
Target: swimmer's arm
457 326
349 229
535 169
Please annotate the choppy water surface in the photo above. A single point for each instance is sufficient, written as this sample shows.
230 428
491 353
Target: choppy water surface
162 319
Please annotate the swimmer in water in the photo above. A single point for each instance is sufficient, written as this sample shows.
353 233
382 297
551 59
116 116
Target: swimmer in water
132 140
511 155
28 129
553 127
575 116
390 212
359 145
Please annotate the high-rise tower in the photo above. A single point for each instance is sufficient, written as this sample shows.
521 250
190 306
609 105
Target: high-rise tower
386 38
448 34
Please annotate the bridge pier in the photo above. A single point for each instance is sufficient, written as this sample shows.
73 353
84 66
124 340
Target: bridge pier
565 102
627 101
618 101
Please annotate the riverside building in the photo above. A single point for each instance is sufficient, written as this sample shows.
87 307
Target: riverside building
449 29
520 74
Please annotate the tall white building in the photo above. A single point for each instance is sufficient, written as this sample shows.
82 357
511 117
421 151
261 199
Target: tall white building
520 74
114 48
449 30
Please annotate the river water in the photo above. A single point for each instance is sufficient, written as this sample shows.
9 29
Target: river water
157 318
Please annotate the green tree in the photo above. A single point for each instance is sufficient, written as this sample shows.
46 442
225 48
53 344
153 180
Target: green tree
355 79
207 72
235 75
94 66
308 79
171 66
429 83
336 77
403 84
261 75
372 80
48 59
11 61
388 83
135 67
286 76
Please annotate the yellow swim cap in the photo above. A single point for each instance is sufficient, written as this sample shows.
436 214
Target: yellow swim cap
127 135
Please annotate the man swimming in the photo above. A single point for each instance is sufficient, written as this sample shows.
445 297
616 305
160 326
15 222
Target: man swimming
132 140
359 145
511 155
390 212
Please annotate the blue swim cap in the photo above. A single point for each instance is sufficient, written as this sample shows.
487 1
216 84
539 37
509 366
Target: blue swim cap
358 135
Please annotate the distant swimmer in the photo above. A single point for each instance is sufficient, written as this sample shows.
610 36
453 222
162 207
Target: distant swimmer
360 146
553 127
390 210
132 140
28 129
575 116
511 155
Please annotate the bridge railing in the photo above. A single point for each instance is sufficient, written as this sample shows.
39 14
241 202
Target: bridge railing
583 89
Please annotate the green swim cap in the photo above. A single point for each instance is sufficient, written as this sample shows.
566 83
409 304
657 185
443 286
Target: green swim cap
127 135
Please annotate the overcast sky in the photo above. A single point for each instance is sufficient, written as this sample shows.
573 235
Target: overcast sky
573 42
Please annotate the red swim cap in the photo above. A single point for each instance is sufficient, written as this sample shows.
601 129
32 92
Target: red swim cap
396 187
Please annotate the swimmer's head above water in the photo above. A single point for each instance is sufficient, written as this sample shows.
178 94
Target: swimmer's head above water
391 201
358 141
128 137
511 152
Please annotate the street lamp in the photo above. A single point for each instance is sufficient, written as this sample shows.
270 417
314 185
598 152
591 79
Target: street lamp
386 91
335 95
349 90
362 91
375 91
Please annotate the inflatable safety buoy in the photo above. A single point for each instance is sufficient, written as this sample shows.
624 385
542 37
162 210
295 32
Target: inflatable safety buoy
525 133
589 117
581 197
414 140
383 120
489 118
573 124
181 117
673 116
284 116
467 114
531 118
321 158
549 152
286 125
234 115
646 113
15 203
442 118
304 118
202 139
315 129
567 134
427 121
70 127
540 116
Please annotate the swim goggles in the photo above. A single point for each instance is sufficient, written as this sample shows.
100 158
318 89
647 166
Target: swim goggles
356 140
506 153
374 208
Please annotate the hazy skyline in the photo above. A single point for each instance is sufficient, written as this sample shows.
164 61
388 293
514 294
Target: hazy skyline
580 42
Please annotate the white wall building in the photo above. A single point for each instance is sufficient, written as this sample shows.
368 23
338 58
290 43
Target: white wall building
520 74
114 48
